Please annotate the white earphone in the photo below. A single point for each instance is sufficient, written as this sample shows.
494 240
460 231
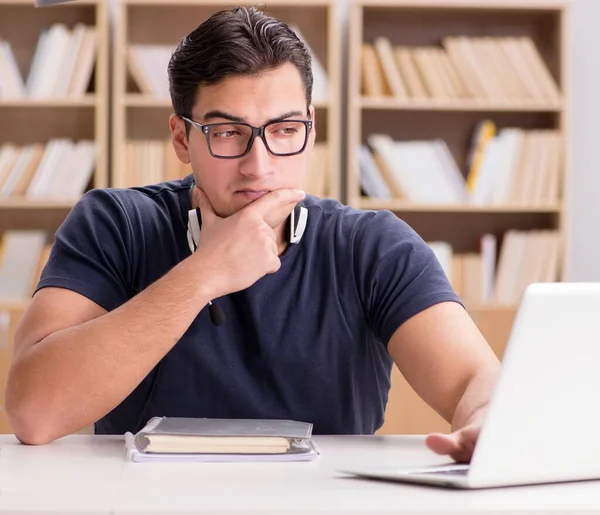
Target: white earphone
295 228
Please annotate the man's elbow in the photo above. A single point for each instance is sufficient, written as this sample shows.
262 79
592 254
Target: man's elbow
30 430
29 437
29 424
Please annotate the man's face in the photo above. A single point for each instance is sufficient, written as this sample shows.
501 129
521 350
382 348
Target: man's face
232 184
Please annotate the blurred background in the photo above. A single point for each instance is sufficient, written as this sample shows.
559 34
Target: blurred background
472 120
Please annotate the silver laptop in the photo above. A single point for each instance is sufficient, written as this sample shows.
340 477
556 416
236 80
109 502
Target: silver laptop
543 421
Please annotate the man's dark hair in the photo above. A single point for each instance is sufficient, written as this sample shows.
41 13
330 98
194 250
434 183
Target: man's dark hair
234 42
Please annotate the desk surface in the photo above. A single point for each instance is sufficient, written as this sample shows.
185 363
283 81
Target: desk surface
89 475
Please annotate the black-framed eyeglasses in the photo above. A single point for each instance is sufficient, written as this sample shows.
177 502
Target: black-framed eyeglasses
232 140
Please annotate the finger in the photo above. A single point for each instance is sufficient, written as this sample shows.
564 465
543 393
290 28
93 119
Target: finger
460 449
279 214
275 206
269 232
275 264
203 202
442 444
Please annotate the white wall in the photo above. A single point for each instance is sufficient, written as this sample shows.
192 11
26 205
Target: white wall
583 200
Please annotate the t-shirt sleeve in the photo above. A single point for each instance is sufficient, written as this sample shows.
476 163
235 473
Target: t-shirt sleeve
399 274
91 251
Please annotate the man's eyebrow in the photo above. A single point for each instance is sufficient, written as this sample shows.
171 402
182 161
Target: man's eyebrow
211 115
289 114
222 114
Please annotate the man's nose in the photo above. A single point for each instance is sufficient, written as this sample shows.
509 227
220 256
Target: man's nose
256 162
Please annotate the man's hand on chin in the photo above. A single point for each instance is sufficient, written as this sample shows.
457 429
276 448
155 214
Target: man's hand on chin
459 444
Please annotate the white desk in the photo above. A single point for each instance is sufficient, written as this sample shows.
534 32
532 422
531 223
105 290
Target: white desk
89 475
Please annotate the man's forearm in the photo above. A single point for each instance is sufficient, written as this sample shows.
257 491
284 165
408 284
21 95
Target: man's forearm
473 404
75 376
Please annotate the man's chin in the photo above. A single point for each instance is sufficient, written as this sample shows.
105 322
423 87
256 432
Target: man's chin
238 201
235 204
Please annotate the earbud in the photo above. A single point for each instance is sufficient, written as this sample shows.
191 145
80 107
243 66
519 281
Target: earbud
296 226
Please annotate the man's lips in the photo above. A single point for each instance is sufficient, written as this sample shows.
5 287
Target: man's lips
252 194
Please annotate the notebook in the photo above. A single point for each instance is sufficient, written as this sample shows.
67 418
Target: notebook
210 439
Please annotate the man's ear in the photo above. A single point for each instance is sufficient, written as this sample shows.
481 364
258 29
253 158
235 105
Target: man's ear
311 112
179 138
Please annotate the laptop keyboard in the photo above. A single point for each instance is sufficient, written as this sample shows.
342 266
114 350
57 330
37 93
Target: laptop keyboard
463 471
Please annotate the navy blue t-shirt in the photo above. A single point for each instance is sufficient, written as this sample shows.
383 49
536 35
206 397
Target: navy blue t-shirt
308 342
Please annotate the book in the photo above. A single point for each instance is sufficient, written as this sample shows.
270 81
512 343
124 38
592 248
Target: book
213 439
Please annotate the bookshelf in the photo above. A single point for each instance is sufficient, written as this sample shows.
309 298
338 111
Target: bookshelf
458 122
141 105
56 122
54 111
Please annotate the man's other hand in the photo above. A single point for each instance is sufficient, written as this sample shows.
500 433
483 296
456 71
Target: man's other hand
459 444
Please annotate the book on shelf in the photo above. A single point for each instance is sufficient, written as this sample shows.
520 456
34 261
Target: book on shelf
23 255
372 177
147 65
511 166
59 169
150 162
517 166
419 170
508 69
320 91
153 161
489 277
61 67
482 135
319 171
11 80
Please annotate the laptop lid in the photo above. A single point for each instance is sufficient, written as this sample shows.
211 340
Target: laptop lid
542 425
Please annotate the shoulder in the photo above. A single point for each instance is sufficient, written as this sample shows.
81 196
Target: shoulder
373 241
160 194
335 218
135 204
334 215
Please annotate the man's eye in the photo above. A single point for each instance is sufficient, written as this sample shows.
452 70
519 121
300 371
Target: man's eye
225 134
286 131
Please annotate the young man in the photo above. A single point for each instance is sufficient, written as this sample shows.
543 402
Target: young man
119 329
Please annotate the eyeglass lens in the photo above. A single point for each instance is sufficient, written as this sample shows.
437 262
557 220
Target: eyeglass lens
231 139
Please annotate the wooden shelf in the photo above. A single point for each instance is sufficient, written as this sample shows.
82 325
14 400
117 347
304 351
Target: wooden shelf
458 105
492 308
493 5
452 120
26 203
86 101
140 100
225 3
38 120
426 24
403 206
30 3
16 305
